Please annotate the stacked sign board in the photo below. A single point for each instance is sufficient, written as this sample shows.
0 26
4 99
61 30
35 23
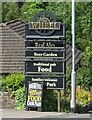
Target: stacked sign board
45 50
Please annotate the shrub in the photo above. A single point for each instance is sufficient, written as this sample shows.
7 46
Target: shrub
1 77
83 97
20 98
65 103
50 100
84 78
14 81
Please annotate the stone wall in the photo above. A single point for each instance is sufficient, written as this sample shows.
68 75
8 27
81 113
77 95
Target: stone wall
6 101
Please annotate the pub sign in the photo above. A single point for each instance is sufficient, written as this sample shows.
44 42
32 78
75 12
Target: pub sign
45 56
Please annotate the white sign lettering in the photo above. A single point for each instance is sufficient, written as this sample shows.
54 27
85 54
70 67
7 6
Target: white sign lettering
35 86
43 44
44 79
51 84
42 69
45 54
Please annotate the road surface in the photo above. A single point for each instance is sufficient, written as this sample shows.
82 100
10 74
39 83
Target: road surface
12 113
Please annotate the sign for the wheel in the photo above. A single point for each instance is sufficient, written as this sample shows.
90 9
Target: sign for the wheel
45 56
44 24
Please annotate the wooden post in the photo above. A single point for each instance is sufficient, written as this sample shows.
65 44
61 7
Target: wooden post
62 92
59 96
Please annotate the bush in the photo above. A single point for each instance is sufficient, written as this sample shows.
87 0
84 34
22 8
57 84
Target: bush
50 100
83 78
65 103
83 97
1 77
20 98
14 81
82 100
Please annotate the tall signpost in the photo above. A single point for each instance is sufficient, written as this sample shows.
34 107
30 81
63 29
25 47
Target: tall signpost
73 78
45 53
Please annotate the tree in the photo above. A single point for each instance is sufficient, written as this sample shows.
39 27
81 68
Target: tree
30 9
10 11
83 23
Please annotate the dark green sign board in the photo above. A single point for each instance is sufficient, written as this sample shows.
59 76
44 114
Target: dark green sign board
50 82
44 67
45 56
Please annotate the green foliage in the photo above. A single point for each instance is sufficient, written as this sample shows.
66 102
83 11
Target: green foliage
10 11
84 78
65 103
82 100
20 98
50 100
63 11
30 9
83 20
82 43
1 77
0 12
14 81
50 96
87 56
83 97
68 77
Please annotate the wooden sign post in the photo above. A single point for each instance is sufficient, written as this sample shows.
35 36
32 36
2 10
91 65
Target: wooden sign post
59 100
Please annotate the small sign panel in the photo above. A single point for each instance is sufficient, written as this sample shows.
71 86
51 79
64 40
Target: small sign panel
44 43
45 67
34 98
50 82
45 54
